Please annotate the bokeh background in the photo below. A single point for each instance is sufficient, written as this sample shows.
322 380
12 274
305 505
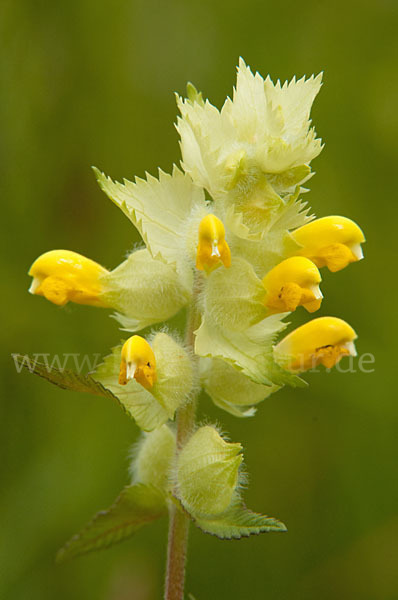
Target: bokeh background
91 83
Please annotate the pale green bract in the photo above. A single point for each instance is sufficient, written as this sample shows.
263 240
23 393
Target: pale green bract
145 291
164 210
250 351
265 122
234 297
207 473
230 389
153 457
252 154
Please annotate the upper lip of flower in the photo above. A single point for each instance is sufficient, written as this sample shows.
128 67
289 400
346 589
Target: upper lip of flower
323 340
333 241
62 276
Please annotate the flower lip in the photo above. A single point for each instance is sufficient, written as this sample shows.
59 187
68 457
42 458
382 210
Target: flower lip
212 247
293 282
321 341
63 276
137 362
332 241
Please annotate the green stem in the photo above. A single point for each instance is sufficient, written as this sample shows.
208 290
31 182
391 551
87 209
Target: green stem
179 522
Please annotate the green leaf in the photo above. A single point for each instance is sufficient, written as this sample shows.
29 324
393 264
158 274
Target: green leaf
64 378
136 506
237 522
135 401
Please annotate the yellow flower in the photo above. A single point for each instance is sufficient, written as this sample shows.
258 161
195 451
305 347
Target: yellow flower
63 276
292 283
137 362
212 247
320 341
331 241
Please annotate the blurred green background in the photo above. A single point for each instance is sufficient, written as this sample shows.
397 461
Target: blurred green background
91 83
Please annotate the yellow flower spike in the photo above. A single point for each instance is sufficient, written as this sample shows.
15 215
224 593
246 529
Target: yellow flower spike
62 276
332 241
320 341
138 362
212 247
292 283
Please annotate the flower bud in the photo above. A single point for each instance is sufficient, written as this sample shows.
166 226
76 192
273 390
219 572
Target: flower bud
212 247
138 362
332 241
62 276
320 341
292 283
207 472
155 457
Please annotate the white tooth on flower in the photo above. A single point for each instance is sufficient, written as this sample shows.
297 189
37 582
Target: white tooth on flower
131 368
350 346
316 290
357 251
34 285
214 249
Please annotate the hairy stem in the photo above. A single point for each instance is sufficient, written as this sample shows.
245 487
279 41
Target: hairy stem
179 522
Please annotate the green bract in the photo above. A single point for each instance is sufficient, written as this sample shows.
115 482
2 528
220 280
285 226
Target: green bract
145 291
207 473
230 389
166 212
154 457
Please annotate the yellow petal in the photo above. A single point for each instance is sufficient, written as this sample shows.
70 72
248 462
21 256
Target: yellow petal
63 276
331 241
320 341
212 247
293 282
138 362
